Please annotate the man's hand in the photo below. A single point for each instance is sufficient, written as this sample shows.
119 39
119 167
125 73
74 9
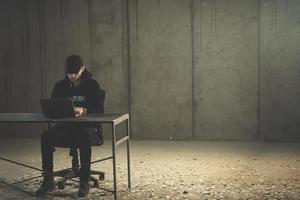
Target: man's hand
80 110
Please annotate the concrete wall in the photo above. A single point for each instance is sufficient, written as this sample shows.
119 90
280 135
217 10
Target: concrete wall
184 69
280 70
225 75
161 69
37 36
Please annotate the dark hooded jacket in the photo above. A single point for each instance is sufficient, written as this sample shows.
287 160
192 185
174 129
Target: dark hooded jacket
87 94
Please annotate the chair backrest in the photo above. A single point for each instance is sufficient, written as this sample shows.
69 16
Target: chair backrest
101 99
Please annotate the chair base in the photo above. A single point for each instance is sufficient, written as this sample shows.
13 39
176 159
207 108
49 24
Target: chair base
67 174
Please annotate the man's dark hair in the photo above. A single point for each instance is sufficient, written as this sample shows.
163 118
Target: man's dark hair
73 64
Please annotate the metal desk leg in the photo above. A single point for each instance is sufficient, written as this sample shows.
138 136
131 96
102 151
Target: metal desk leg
128 153
114 159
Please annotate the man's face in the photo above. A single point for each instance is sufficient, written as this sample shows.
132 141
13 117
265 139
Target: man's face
75 76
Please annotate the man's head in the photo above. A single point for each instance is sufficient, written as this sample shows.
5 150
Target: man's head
74 67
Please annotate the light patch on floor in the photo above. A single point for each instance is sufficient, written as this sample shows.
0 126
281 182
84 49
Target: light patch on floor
170 170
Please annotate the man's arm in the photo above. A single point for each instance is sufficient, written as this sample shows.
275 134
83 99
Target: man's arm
96 99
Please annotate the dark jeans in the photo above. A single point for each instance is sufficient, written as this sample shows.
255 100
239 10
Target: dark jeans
70 136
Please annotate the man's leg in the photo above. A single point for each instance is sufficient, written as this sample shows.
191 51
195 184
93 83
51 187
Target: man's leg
57 135
47 163
47 152
85 160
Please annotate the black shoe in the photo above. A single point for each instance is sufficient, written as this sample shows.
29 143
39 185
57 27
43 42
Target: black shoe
84 189
47 186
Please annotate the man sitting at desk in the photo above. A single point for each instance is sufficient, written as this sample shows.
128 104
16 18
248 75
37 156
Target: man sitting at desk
84 91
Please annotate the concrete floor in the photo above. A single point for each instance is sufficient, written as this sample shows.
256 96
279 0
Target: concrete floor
171 170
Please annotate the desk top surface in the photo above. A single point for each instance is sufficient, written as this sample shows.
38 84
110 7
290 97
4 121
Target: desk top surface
39 117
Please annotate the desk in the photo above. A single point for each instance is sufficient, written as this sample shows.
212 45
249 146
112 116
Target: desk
112 119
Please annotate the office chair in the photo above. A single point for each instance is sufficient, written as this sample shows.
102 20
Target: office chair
67 174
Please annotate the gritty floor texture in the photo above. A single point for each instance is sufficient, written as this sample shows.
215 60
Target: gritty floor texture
169 170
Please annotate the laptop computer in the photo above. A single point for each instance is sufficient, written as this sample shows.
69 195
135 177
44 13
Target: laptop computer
57 108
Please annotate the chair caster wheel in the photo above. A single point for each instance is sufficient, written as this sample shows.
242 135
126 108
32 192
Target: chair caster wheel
101 177
96 184
60 185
